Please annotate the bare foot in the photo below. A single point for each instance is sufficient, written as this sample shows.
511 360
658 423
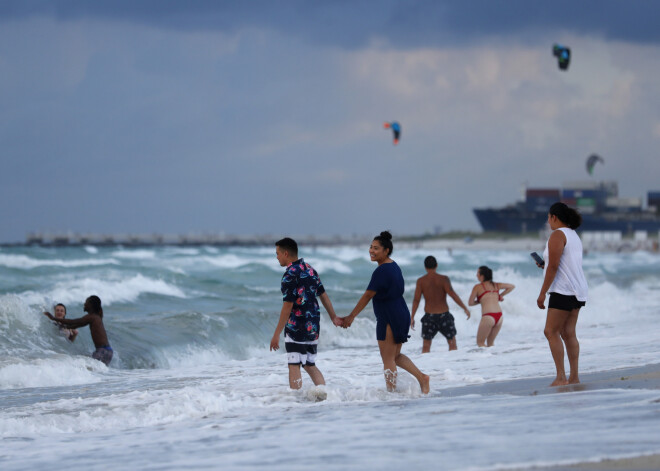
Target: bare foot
424 384
559 382
572 380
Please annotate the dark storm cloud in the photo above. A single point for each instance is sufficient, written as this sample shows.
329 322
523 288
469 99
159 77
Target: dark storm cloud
351 24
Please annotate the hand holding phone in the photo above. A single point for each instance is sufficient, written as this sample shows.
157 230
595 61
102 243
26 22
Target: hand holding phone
539 261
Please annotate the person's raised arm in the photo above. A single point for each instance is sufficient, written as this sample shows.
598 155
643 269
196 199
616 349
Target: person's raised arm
361 304
327 304
416 299
556 244
507 287
450 291
284 317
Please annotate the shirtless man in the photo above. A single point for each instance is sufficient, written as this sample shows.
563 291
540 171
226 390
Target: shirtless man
60 313
94 319
435 288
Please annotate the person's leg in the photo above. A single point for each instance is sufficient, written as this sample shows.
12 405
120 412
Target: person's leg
554 323
448 330
388 352
572 345
428 332
490 340
406 363
295 378
485 326
426 346
315 374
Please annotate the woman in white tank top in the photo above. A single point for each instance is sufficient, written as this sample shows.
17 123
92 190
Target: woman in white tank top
565 282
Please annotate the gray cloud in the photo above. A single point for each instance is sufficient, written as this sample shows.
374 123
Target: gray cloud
404 23
125 120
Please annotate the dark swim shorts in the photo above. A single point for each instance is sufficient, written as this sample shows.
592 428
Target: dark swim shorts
103 354
564 303
434 323
300 353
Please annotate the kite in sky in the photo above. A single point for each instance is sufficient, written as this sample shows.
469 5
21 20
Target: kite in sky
591 162
563 55
396 130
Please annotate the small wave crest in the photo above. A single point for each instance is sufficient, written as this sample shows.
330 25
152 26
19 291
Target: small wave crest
110 291
55 370
24 262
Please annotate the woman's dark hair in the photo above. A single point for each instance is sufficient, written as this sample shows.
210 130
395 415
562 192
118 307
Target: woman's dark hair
486 272
385 239
60 304
565 214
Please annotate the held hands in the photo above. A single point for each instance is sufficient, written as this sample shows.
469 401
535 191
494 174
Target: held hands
346 321
338 321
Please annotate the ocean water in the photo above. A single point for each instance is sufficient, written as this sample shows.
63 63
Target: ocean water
193 384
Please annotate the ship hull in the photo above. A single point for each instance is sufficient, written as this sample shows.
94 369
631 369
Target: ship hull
510 220
513 220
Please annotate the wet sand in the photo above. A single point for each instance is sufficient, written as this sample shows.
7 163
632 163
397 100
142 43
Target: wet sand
645 377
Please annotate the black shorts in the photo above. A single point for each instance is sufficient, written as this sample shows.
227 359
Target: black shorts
434 323
300 353
564 303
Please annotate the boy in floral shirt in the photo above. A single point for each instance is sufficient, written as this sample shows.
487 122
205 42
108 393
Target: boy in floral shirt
300 313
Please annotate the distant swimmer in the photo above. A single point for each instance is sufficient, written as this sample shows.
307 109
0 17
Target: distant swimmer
435 288
60 313
564 280
94 319
385 292
300 315
489 294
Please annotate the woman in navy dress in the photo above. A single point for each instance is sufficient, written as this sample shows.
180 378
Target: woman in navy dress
392 315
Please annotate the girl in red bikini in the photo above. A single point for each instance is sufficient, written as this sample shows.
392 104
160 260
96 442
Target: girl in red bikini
488 294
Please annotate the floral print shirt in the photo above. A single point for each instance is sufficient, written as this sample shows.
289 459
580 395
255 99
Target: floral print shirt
301 285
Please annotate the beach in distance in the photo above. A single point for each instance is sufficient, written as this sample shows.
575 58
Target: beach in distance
193 385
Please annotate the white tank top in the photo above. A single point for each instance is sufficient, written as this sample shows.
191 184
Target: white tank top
569 280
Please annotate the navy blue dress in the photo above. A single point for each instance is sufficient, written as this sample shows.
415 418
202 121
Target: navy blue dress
389 305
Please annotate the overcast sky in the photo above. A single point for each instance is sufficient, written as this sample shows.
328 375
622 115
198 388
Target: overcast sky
267 116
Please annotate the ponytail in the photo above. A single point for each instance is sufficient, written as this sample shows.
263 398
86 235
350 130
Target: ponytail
565 214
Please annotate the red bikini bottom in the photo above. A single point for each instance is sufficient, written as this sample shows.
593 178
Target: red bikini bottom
494 315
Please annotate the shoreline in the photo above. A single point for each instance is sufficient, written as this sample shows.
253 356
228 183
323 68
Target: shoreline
639 377
650 462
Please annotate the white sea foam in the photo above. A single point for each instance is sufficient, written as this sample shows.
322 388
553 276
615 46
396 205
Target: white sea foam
135 254
24 262
110 291
56 370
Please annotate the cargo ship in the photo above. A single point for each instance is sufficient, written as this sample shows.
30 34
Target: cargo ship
599 203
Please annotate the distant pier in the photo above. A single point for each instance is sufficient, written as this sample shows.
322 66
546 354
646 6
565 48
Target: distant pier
71 239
